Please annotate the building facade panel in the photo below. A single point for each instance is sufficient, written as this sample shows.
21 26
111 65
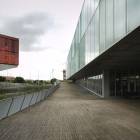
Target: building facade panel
9 50
133 17
102 26
119 19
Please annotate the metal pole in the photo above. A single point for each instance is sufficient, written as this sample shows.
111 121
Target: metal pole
52 74
30 78
38 77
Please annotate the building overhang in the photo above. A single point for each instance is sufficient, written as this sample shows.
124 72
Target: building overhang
125 54
6 66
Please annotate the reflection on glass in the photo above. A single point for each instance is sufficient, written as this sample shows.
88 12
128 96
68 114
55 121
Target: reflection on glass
137 85
112 82
124 81
112 74
118 83
131 74
131 85
118 87
93 83
118 74
112 87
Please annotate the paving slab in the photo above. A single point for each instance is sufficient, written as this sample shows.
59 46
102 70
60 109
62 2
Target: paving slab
86 93
69 115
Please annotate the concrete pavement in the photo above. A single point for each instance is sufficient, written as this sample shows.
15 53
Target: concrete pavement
69 115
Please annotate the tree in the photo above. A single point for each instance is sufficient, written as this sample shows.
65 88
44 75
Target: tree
53 80
34 81
41 82
2 79
19 80
28 81
47 83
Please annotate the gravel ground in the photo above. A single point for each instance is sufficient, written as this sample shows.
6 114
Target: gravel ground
69 115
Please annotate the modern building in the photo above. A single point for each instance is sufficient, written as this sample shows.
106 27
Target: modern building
104 56
9 52
64 74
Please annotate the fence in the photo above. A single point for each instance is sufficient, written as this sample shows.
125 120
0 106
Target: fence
12 85
11 106
20 87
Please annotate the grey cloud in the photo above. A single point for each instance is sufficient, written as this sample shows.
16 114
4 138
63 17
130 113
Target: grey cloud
62 63
29 28
65 50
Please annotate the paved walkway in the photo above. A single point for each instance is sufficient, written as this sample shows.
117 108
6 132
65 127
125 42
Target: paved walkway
69 115
86 92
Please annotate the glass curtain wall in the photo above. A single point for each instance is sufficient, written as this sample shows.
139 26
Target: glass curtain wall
93 83
82 37
122 81
101 24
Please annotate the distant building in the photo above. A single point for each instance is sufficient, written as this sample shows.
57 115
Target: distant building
9 52
9 77
64 74
28 80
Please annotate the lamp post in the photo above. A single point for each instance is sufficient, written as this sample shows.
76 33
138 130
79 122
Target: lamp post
52 73
30 78
50 76
38 77
10 77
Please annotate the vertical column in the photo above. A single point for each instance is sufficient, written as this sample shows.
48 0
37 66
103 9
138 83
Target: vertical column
128 80
105 83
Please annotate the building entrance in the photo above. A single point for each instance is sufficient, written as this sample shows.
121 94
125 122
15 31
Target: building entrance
124 81
132 85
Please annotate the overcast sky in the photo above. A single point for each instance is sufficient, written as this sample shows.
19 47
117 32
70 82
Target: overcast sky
45 29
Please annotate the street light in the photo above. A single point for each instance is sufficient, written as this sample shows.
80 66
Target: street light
38 77
30 78
50 76
52 73
10 77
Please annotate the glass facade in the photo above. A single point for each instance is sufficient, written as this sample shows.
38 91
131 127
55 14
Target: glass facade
122 81
93 83
101 24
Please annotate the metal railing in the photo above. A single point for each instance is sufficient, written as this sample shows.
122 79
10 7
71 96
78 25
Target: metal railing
6 88
11 106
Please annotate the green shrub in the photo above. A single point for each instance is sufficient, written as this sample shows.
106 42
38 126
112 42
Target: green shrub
20 94
29 92
3 97
2 79
12 96
53 80
1 91
19 80
47 83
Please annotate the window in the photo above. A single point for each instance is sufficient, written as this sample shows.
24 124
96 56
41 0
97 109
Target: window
6 42
13 46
